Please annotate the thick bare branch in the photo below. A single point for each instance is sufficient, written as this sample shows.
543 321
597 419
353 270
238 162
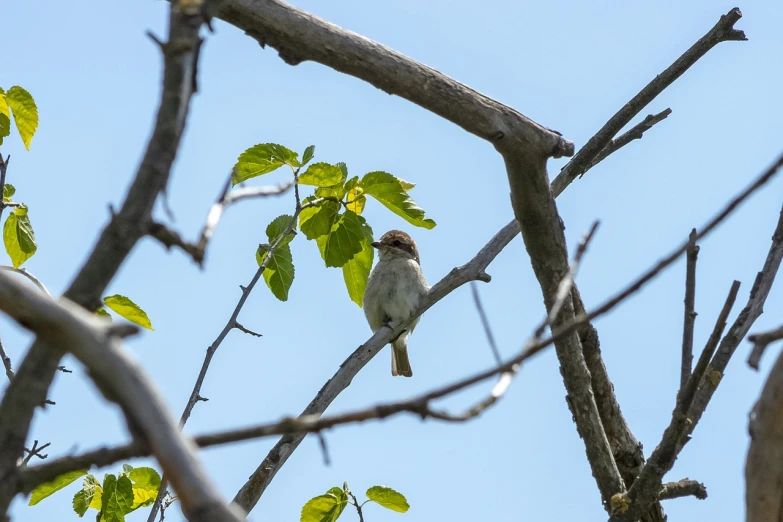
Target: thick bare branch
764 464
299 36
29 388
722 31
95 343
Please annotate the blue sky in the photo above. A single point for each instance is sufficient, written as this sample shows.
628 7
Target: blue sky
569 66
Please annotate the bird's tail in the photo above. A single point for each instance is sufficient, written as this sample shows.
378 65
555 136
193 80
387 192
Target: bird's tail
401 364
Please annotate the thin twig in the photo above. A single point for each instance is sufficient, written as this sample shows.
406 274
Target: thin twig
722 31
690 313
760 342
357 505
485 323
635 133
35 451
9 370
197 251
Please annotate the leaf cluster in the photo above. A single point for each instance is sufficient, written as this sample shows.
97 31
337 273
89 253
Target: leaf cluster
329 506
331 216
116 497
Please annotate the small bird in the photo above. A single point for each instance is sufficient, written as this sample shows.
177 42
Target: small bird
394 289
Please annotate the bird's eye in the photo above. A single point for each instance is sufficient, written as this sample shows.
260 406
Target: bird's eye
396 242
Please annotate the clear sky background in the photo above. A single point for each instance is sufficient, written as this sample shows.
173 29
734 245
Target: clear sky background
568 65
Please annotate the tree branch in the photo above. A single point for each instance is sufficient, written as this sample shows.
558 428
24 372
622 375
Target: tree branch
760 342
690 313
29 388
635 133
299 36
197 251
722 31
764 464
647 486
683 488
95 343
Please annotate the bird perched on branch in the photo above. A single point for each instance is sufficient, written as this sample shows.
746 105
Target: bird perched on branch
394 289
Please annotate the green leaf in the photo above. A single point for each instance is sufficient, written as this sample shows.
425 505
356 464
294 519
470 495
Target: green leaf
126 308
117 498
5 125
279 271
145 478
318 221
126 469
308 154
357 270
388 498
321 175
344 168
18 237
325 508
101 312
146 483
355 200
49 488
390 192
88 497
276 228
8 192
343 241
262 159
25 113
335 191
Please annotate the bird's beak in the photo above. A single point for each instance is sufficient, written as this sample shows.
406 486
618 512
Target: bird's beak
375 244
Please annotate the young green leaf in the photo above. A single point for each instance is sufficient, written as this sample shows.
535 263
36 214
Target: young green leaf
325 508
117 498
357 270
317 221
355 200
262 159
279 271
101 312
308 154
321 175
89 496
126 308
343 241
388 498
18 237
335 191
389 191
126 469
344 168
8 191
49 488
25 113
146 483
5 126
276 228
